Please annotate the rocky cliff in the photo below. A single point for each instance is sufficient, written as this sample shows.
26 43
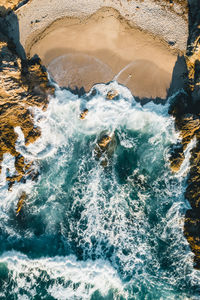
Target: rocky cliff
23 84
186 110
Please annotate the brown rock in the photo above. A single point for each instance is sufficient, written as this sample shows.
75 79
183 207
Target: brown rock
103 143
8 5
84 114
189 127
21 202
111 95
105 147
176 162
21 86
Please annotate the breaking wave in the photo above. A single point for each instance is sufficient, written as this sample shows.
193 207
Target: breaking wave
97 225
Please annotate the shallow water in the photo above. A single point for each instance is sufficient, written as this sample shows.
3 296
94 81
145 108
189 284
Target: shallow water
89 231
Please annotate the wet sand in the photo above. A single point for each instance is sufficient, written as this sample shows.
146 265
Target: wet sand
82 52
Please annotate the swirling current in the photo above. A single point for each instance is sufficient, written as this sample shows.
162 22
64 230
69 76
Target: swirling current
97 227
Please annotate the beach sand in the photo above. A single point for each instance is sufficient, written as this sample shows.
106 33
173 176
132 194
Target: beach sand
102 47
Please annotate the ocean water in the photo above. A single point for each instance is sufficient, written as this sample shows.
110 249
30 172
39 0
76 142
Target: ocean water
90 229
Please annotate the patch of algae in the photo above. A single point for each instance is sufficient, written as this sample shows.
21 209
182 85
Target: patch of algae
22 85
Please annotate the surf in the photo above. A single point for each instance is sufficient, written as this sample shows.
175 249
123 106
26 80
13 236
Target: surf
99 221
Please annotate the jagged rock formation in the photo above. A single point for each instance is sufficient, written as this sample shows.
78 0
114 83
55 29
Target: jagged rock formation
193 52
23 84
186 110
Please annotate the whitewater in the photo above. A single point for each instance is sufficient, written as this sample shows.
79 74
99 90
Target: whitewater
97 227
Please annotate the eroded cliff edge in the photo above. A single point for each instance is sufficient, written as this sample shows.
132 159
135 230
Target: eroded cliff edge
186 110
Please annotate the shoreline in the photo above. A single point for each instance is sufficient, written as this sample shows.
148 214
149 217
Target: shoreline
107 44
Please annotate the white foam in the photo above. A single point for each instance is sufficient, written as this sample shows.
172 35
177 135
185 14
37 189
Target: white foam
185 166
71 279
61 119
114 214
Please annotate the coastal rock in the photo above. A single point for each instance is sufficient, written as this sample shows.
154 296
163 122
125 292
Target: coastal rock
185 108
193 52
186 111
7 6
180 105
105 147
176 157
83 114
112 95
188 126
20 203
23 84
192 221
191 232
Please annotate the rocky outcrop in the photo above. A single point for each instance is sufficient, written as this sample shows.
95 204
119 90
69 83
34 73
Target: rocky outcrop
193 53
7 6
186 110
23 84
105 147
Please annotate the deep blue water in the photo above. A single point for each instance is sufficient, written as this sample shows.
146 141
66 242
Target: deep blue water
89 231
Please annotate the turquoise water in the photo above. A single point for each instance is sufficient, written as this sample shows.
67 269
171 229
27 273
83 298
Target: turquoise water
89 231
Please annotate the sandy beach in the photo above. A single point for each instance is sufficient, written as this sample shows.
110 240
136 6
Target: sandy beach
81 48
